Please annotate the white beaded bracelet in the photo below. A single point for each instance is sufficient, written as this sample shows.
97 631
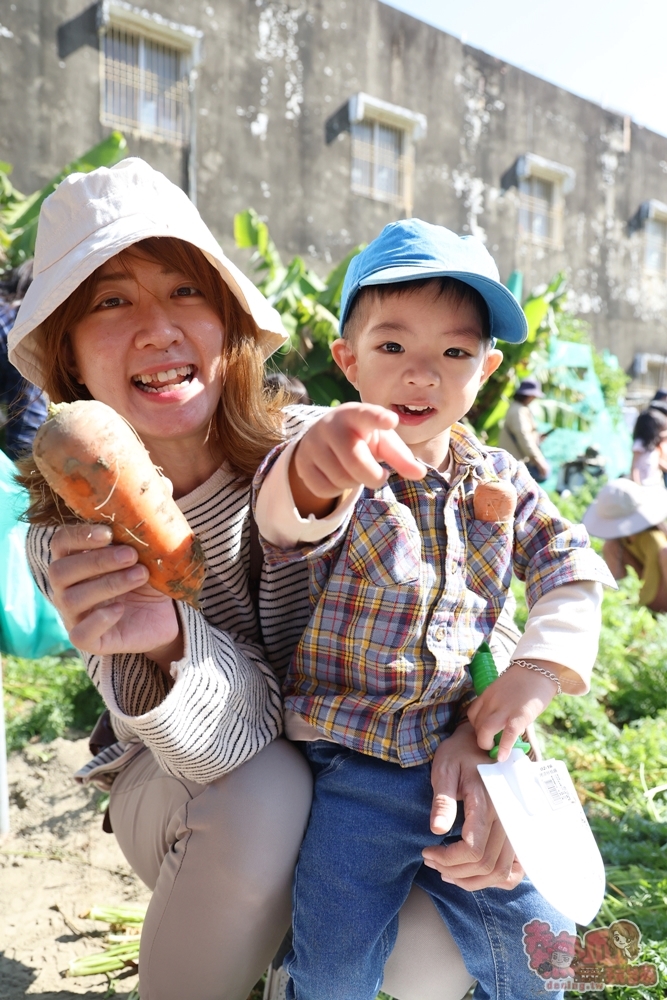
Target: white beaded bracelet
539 670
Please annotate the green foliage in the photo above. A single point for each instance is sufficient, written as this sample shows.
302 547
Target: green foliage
494 398
574 506
614 741
309 308
46 698
19 213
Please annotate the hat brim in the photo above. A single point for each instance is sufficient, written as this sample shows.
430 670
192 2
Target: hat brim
52 286
652 512
507 319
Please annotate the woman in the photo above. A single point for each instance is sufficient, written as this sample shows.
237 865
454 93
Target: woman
632 519
649 447
134 304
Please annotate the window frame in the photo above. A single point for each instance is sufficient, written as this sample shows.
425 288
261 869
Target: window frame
374 189
654 211
146 27
561 179
411 126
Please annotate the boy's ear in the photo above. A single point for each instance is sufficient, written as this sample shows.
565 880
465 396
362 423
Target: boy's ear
492 363
345 358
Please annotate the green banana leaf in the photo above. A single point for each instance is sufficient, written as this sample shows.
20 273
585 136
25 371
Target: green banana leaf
309 308
331 294
19 214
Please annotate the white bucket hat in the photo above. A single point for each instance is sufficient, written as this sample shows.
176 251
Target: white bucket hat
624 508
90 218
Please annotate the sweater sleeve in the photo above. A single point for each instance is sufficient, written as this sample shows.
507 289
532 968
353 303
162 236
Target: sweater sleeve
278 519
223 707
563 626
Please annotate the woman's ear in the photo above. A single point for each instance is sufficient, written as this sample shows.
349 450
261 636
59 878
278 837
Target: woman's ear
345 358
70 361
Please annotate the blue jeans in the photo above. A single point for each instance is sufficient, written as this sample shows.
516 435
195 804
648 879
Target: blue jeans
361 854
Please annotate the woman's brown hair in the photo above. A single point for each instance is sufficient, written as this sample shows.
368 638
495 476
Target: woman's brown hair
247 422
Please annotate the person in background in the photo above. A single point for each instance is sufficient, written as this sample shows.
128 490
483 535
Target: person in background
660 398
519 435
632 520
25 404
649 447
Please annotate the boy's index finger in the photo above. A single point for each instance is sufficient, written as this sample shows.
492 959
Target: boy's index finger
366 418
396 453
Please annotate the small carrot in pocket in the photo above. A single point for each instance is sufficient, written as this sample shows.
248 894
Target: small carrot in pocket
92 458
495 501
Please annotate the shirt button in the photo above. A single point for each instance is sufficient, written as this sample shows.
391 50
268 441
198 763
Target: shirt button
440 633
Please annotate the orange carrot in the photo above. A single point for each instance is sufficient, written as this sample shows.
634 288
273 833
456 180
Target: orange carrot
494 501
92 458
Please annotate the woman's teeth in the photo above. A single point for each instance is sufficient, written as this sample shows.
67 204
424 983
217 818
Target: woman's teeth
157 382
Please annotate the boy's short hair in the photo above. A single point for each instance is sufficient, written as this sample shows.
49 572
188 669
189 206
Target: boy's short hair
450 289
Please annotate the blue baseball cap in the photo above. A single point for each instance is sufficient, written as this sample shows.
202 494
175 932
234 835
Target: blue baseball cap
411 249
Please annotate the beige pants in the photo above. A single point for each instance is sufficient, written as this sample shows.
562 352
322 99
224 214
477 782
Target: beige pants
220 859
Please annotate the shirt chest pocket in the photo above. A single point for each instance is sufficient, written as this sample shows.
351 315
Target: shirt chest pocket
489 556
385 545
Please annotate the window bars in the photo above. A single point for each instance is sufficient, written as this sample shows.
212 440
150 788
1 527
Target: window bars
379 162
145 86
539 217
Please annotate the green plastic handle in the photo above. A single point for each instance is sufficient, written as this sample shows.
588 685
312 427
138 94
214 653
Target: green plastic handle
483 671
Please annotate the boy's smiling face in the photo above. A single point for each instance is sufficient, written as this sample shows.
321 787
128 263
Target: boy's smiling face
423 356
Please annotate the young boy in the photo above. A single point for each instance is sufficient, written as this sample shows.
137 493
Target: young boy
406 583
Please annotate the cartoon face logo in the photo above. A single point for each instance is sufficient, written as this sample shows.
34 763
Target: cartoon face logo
549 955
604 956
626 937
561 958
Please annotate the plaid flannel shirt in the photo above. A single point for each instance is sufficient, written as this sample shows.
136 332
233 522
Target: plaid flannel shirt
404 593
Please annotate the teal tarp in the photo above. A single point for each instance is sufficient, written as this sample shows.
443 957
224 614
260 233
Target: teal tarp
571 365
29 625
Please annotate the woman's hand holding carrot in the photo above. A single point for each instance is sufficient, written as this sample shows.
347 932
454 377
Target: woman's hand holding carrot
104 599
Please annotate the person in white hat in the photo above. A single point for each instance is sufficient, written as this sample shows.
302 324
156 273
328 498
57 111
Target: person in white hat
633 521
134 303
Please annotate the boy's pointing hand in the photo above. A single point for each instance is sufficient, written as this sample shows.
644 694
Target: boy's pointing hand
343 450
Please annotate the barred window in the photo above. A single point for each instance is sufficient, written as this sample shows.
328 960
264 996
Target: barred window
145 86
378 161
536 209
655 256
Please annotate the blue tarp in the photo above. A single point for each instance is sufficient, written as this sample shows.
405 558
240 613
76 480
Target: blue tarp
29 625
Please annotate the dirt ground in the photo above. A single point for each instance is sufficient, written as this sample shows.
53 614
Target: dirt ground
56 863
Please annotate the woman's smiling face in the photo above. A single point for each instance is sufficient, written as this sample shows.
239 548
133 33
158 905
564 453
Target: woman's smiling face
150 346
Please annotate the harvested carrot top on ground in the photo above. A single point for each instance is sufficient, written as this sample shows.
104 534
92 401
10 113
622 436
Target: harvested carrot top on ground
92 458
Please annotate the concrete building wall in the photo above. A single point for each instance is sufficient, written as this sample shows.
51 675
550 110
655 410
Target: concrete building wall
272 74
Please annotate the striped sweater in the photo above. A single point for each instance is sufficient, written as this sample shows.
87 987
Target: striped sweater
224 705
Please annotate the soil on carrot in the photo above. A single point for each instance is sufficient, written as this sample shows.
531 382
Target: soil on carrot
56 863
